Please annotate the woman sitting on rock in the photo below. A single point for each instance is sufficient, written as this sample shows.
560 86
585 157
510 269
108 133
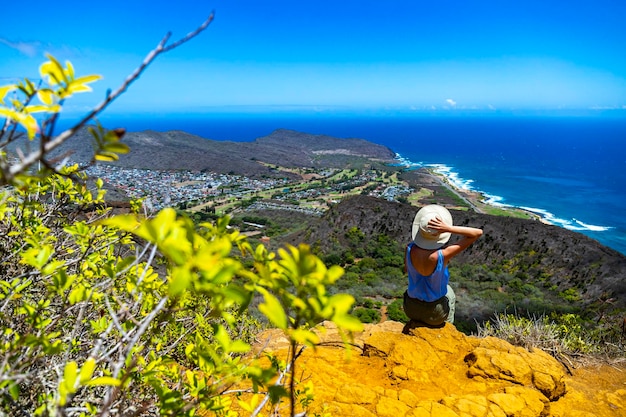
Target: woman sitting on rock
429 298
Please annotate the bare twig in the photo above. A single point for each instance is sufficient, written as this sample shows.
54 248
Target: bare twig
279 381
26 161
117 367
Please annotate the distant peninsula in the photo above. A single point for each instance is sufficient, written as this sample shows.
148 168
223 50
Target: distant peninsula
177 150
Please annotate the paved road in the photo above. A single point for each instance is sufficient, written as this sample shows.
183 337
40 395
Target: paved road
455 191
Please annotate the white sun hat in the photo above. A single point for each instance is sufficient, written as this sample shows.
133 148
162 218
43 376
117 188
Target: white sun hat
424 236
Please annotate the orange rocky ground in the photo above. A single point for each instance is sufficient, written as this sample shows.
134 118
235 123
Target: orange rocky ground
444 373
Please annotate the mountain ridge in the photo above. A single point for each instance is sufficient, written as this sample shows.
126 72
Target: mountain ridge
178 150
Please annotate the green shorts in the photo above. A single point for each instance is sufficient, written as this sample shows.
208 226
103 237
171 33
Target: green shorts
433 313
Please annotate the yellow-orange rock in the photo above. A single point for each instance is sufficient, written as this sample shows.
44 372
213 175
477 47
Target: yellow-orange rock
395 371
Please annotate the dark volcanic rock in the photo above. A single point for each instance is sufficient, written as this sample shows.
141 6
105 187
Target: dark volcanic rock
571 259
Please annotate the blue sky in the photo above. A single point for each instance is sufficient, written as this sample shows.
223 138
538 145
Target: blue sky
408 55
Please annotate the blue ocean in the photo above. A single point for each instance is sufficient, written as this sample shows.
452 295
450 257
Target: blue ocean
570 169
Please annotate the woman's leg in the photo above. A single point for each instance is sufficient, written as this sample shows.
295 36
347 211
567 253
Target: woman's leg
451 301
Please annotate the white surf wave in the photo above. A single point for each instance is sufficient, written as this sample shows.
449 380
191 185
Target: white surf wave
549 217
453 177
405 162
572 224
592 227
497 201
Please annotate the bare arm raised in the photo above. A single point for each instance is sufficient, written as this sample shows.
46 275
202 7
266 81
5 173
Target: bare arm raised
470 234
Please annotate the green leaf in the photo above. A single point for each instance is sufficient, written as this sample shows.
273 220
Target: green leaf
273 310
124 263
4 90
69 71
46 96
14 391
251 406
8 113
117 147
36 109
238 294
126 222
79 293
77 88
334 273
338 307
52 71
104 380
61 281
304 336
277 392
180 280
341 303
239 346
221 336
70 374
26 87
28 122
86 79
106 156
348 322
157 229
52 267
37 257
86 372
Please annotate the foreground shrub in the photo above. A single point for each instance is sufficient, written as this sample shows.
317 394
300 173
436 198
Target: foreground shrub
141 313
566 334
367 315
395 311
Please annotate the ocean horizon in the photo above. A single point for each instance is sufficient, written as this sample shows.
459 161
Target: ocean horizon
569 170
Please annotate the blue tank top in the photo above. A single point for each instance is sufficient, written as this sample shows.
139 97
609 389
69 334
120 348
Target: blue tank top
427 287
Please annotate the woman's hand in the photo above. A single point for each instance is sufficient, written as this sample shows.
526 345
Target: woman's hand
437 224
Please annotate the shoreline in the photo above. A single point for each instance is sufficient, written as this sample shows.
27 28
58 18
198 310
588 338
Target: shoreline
483 202
477 201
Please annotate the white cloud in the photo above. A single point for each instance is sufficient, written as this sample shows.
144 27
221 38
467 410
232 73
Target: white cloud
29 49
451 102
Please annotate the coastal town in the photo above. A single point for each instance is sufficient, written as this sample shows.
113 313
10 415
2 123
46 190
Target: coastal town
223 193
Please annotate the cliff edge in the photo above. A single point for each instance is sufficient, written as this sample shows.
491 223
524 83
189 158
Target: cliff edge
396 370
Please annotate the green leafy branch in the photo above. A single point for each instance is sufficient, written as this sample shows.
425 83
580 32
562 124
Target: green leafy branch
108 314
59 83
